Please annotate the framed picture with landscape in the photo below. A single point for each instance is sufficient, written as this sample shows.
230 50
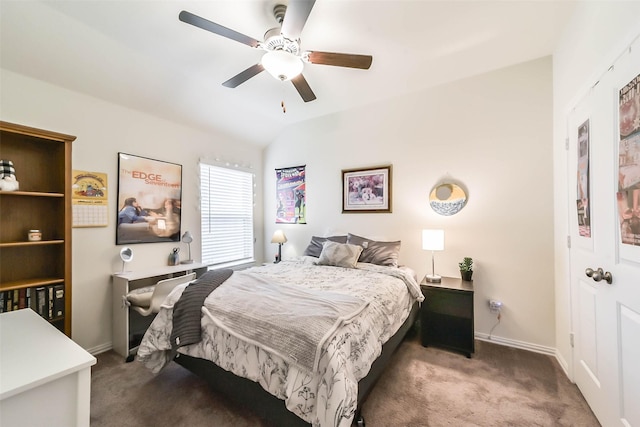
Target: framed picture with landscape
366 190
149 200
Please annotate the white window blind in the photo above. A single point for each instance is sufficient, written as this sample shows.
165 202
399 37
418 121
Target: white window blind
226 197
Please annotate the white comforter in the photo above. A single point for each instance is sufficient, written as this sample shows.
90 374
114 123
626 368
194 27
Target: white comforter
324 398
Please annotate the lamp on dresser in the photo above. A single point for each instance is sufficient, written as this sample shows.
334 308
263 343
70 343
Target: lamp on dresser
433 240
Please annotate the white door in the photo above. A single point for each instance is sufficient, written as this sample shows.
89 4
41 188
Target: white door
605 317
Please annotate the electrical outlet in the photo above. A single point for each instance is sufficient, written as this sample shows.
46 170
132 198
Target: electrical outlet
495 305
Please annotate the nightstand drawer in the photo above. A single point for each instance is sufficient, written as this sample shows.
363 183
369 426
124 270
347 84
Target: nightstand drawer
453 303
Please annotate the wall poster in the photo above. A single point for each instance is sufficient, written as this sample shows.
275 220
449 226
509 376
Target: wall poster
584 208
291 195
89 199
149 200
629 163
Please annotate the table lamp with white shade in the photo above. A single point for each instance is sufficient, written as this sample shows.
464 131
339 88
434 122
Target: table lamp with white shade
433 240
279 238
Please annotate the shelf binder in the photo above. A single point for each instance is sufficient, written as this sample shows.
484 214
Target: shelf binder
58 302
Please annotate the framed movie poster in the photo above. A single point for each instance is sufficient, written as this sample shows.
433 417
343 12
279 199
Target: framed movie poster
366 190
149 200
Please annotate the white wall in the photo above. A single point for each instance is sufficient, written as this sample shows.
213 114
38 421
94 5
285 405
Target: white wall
103 130
492 132
597 33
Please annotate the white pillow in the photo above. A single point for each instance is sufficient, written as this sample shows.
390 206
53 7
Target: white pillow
339 254
141 297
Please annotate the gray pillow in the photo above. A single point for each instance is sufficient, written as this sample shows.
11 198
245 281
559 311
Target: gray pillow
339 254
315 246
374 252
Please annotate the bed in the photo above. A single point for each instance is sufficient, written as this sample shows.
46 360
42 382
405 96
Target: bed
367 309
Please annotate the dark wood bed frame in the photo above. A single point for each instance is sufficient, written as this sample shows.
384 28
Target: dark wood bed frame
269 407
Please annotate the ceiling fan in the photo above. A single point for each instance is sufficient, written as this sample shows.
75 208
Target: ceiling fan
283 58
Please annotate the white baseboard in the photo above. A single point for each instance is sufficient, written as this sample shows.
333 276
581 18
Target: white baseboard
530 347
516 344
100 348
563 364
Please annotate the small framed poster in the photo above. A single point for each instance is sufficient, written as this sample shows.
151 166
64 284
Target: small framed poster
366 190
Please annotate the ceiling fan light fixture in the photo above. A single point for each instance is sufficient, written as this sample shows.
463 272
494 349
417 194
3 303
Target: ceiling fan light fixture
282 65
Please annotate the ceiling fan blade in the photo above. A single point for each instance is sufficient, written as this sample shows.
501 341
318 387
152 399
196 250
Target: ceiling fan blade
296 16
341 59
242 77
205 24
303 88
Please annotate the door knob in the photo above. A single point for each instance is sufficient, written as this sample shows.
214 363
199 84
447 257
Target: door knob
599 274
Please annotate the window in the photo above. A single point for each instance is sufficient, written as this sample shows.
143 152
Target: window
226 199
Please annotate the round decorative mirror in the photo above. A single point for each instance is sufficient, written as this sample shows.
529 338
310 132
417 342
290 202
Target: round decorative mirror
447 199
126 255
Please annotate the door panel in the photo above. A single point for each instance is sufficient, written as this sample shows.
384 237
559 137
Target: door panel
587 331
630 364
605 317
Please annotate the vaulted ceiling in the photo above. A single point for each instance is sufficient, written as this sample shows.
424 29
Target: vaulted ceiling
138 54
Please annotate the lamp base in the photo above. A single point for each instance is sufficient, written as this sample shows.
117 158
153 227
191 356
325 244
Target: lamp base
279 254
187 261
433 278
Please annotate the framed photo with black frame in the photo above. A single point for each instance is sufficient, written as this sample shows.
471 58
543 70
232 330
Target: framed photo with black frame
366 190
149 200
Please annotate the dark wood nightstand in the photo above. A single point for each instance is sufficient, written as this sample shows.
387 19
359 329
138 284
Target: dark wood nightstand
446 315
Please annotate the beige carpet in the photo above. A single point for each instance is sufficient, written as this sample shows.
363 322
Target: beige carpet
499 386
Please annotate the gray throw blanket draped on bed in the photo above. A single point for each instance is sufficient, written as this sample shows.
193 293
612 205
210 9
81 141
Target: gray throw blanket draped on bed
187 311
293 322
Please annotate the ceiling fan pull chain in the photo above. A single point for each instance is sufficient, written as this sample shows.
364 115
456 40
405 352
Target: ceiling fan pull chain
284 96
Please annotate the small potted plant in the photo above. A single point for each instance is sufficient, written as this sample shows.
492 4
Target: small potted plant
466 268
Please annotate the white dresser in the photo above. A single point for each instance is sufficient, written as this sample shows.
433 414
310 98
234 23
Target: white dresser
45 377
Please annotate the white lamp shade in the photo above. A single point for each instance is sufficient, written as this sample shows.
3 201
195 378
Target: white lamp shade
433 240
281 64
278 237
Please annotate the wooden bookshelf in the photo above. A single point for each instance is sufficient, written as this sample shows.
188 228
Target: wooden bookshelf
42 160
